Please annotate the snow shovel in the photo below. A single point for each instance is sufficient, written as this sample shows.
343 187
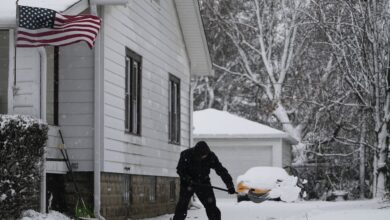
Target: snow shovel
81 210
252 196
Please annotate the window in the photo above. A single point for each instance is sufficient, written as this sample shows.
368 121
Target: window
4 62
52 86
133 93
174 109
151 188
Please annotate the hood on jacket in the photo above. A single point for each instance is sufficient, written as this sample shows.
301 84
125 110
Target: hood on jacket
201 150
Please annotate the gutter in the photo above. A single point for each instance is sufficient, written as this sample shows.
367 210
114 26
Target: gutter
99 104
43 79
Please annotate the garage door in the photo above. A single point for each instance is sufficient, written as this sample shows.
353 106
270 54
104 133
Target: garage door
238 160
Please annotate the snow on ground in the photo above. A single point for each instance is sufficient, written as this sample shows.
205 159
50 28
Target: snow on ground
33 215
317 210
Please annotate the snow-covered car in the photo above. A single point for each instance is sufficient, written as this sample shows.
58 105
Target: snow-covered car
272 180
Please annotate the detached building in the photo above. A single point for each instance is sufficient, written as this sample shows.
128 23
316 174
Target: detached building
124 108
240 143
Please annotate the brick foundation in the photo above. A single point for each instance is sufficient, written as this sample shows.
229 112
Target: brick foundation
123 196
148 196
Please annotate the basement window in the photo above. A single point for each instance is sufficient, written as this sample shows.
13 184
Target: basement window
4 63
172 190
126 184
151 188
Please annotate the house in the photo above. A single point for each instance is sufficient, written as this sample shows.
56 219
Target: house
240 143
124 108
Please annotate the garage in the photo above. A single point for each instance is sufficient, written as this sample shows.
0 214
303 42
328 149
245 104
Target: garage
240 143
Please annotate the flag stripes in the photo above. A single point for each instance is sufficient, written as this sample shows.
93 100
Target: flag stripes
42 27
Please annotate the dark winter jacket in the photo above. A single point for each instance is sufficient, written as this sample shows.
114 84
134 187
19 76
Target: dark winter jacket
191 168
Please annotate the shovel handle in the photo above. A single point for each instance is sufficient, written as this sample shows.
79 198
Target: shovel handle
214 187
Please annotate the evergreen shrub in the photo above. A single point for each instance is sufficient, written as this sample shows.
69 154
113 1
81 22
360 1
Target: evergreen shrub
22 141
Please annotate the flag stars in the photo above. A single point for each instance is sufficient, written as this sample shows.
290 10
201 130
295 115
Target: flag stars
36 18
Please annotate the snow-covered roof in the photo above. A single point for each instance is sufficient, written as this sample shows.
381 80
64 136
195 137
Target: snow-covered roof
8 8
215 123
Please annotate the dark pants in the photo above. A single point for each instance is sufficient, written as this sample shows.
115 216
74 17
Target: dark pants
206 197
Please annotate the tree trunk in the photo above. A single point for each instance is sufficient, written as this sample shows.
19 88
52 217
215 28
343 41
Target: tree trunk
210 91
381 162
295 132
362 155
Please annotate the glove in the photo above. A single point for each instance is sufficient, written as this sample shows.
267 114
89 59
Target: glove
231 190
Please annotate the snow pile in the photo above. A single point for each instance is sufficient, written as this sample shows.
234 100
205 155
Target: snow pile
362 214
52 215
275 179
302 210
215 122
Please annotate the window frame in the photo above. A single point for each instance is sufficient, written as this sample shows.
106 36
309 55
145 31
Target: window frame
174 137
131 58
172 190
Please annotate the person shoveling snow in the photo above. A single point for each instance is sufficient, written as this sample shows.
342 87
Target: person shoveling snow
194 170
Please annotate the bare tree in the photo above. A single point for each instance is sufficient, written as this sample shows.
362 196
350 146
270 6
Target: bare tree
360 37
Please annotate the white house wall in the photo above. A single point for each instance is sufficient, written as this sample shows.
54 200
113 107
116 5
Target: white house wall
152 31
27 97
75 110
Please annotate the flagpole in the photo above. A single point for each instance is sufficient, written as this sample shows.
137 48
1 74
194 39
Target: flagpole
15 43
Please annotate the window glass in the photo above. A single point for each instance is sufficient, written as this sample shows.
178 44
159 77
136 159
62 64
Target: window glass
133 93
174 109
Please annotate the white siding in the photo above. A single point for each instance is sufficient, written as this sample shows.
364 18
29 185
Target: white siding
76 104
153 32
27 98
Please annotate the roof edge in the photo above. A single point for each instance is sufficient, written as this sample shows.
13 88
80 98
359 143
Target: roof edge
283 136
77 8
203 33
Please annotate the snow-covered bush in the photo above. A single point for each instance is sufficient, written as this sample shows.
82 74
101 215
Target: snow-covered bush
22 141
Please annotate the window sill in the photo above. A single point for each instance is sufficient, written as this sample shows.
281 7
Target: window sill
173 143
134 139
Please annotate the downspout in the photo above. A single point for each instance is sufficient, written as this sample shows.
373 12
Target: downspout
191 114
43 85
11 71
99 102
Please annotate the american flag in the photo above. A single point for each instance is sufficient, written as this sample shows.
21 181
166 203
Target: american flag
42 27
